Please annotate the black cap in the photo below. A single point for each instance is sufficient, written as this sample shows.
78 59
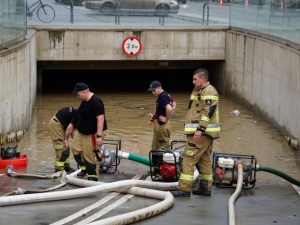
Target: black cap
153 85
80 87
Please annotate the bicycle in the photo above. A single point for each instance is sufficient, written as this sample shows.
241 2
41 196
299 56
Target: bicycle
44 12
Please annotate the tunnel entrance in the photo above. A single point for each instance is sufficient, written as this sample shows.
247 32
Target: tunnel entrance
124 76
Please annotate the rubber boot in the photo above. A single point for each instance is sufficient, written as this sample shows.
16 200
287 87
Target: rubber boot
65 155
79 160
81 165
93 178
180 193
202 189
81 174
91 170
69 169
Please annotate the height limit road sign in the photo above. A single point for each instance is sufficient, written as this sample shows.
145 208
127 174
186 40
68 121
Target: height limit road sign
132 46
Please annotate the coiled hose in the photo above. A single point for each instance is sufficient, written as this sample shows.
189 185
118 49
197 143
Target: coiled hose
279 173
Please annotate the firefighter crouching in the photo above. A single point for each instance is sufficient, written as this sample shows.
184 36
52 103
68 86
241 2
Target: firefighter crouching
61 126
202 126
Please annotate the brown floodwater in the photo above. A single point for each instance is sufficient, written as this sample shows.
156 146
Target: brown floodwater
127 116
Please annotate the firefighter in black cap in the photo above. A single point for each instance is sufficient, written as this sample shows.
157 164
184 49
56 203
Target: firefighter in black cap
91 130
165 107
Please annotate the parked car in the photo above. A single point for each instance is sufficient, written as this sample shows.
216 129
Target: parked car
109 7
182 1
75 2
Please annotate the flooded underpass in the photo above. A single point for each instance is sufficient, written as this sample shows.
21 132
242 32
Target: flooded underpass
127 116
273 200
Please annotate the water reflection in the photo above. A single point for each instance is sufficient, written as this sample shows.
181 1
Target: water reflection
127 116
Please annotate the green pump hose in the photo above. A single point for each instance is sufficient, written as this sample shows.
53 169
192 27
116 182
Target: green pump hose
279 173
139 158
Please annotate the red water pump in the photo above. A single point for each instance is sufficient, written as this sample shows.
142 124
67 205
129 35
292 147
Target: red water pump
164 165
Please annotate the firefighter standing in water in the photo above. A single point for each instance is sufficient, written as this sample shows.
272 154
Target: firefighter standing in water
91 130
165 107
202 126
61 126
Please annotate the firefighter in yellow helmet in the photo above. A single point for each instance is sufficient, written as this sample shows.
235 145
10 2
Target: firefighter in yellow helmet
202 126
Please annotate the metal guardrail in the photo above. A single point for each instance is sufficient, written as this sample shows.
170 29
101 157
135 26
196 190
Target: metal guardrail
205 5
71 11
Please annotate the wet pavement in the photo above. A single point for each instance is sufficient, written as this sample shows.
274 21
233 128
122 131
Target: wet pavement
266 203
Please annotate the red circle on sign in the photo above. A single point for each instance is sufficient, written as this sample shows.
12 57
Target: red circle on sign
132 46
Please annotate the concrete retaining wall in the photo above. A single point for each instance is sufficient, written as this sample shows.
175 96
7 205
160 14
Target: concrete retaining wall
18 85
172 44
265 76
